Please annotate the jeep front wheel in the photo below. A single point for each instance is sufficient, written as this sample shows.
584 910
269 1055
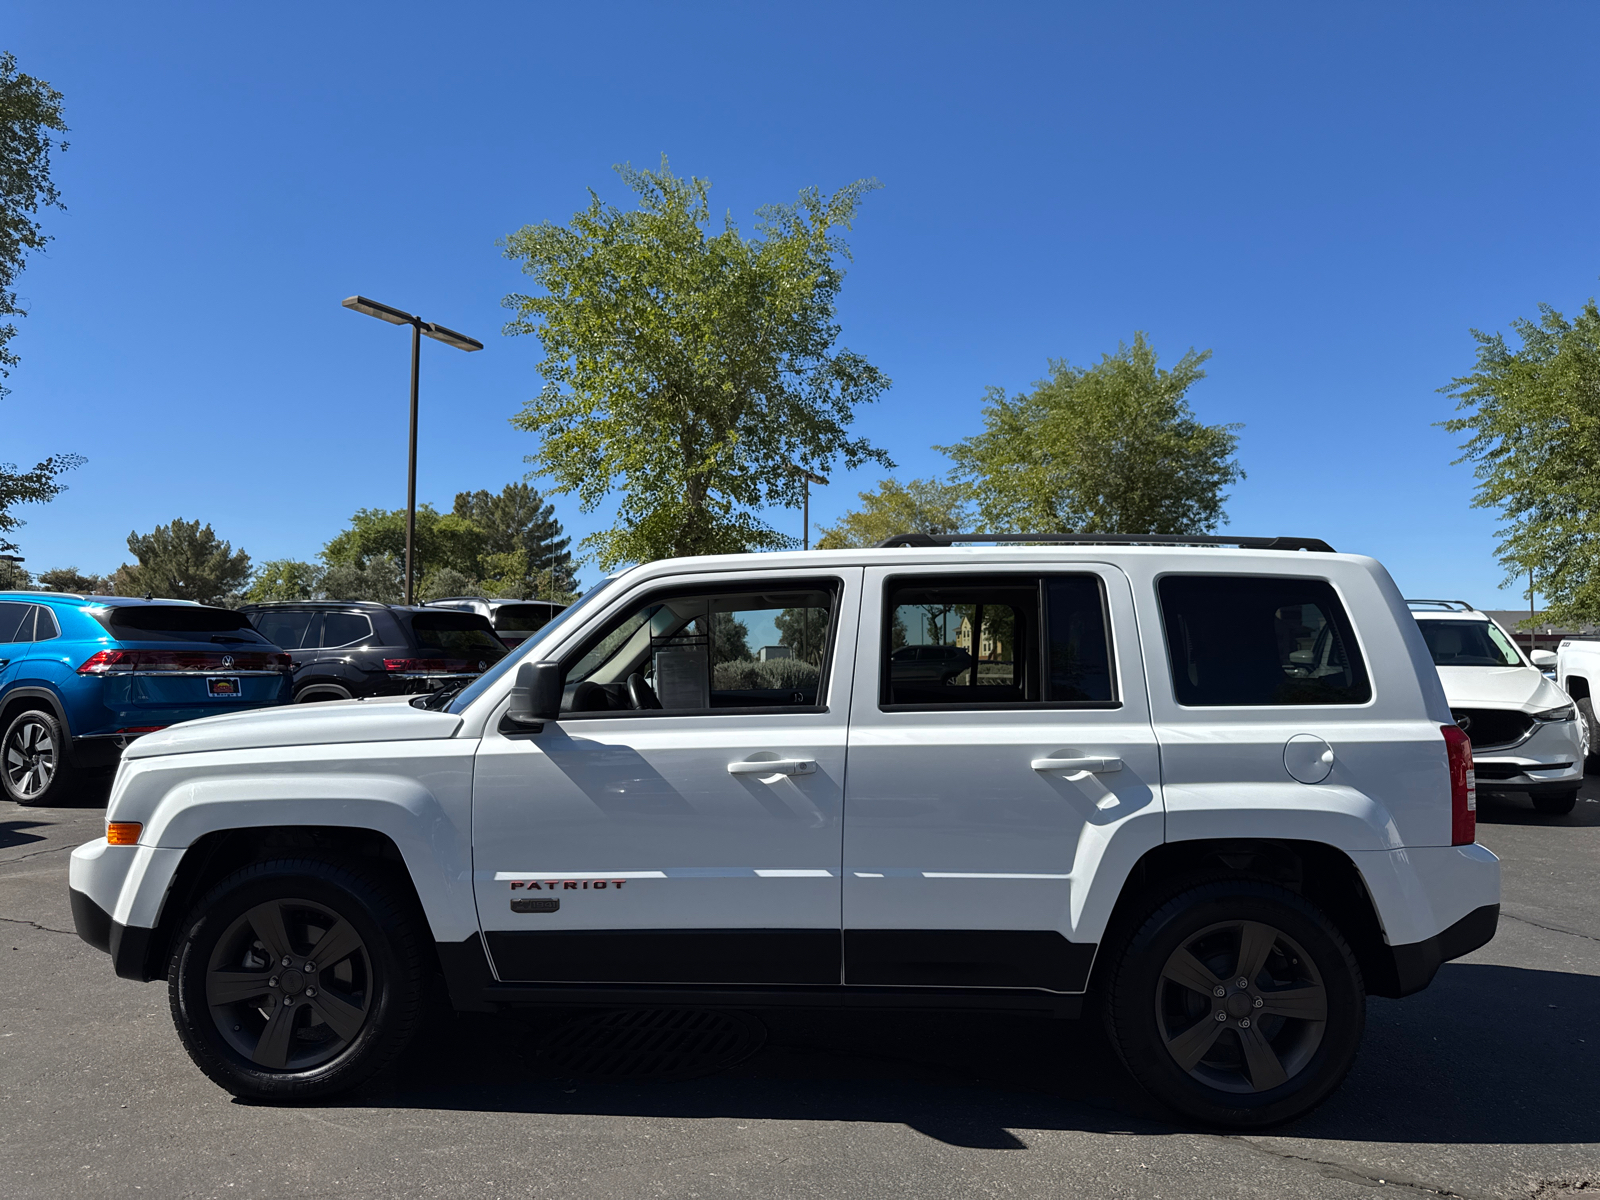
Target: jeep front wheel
296 978
1237 1004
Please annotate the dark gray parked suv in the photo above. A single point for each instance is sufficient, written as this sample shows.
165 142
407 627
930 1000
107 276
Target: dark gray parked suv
350 649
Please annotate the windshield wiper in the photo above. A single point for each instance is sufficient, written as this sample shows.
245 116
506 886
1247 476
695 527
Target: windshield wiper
437 700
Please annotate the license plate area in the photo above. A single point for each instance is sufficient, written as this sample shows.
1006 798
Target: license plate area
224 687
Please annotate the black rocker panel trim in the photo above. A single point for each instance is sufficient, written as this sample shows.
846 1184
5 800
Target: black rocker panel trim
749 956
1008 958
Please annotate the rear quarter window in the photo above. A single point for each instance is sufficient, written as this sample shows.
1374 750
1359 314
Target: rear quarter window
1254 640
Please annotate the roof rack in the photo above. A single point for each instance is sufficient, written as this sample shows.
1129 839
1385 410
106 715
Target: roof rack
1446 605
1108 539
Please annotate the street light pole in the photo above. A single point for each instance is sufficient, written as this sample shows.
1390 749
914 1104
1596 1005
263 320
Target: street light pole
438 333
807 478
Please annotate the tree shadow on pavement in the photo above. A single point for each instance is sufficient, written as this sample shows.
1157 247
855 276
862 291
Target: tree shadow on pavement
1489 1054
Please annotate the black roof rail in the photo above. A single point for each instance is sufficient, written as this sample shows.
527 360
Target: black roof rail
1447 605
1108 539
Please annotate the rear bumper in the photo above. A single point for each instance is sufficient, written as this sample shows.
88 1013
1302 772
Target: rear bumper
1416 964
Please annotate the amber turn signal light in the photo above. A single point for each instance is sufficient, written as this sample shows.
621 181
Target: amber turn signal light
123 833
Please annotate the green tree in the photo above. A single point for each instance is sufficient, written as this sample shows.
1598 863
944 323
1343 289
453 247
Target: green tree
13 577
285 579
1533 437
519 521
688 369
184 561
70 579
30 119
378 577
37 486
1112 448
921 506
444 540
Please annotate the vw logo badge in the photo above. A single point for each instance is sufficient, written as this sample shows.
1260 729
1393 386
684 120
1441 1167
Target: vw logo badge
227 662
482 666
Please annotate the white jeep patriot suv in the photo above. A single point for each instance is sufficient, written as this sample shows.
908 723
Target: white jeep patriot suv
1209 789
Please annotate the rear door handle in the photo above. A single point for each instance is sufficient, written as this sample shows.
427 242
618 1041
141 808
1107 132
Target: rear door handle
4 661
775 766
1094 765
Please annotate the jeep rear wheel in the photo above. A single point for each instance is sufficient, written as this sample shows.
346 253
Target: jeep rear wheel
1237 1004
295 979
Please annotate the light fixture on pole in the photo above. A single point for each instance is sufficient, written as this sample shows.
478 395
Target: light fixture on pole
419 330
807 478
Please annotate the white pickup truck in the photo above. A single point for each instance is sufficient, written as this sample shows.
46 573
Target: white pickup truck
1577 664
1211 792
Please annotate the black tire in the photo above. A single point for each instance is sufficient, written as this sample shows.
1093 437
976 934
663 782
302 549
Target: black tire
33 760
364 1003
320 694
1591 761
1555 804
1253 1067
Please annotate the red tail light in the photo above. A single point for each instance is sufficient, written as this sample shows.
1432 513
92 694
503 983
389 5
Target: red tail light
1463 787
199 662
430 666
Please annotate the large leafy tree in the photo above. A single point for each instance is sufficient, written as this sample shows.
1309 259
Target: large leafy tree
1532 425
921 506
525 551
690 369
183 561
442 540
1112 448
30 124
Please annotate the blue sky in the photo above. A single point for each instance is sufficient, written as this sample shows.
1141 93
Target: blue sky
1328 197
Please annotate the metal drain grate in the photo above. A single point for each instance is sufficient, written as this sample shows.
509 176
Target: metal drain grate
652 1043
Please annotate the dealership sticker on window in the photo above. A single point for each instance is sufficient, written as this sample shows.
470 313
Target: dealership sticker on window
224 687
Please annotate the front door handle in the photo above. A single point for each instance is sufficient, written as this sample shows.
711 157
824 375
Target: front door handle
1094 765
775 766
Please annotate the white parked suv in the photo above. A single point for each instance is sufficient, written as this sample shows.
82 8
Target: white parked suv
1210 791
1525 731
1577 667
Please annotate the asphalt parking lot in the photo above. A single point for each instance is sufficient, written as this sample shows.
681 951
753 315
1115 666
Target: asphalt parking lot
1488 1084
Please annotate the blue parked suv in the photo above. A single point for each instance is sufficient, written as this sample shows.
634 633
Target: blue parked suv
82 675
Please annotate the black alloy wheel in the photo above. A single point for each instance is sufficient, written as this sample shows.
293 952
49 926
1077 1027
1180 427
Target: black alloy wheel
1237 1003
294 979
1241 1007
289 984
33 767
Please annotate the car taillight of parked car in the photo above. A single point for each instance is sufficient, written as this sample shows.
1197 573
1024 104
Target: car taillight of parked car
1463 787
185 662
432 666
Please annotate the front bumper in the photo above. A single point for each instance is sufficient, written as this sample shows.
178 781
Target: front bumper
117 893
128 945
1549 759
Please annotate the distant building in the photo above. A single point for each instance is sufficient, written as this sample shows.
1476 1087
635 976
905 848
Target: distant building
1541 635
990 648
769 653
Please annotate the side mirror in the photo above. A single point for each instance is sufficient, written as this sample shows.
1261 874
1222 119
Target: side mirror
535 698
1543 659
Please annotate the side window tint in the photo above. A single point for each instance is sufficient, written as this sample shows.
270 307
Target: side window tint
45 626
286 630
708 651
1078 665
1259 640
344 629
13 618
971 642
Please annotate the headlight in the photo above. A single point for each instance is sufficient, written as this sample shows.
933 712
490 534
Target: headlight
1565 713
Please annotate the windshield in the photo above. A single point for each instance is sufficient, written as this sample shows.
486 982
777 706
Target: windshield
1469 644
509 663
455 633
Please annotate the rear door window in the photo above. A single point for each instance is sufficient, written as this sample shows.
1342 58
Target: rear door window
523 618
44 627
970 641
286 630
1247 640
16 622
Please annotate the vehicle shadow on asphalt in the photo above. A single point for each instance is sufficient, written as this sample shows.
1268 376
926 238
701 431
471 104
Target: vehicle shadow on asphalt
1489 1054
1510 808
